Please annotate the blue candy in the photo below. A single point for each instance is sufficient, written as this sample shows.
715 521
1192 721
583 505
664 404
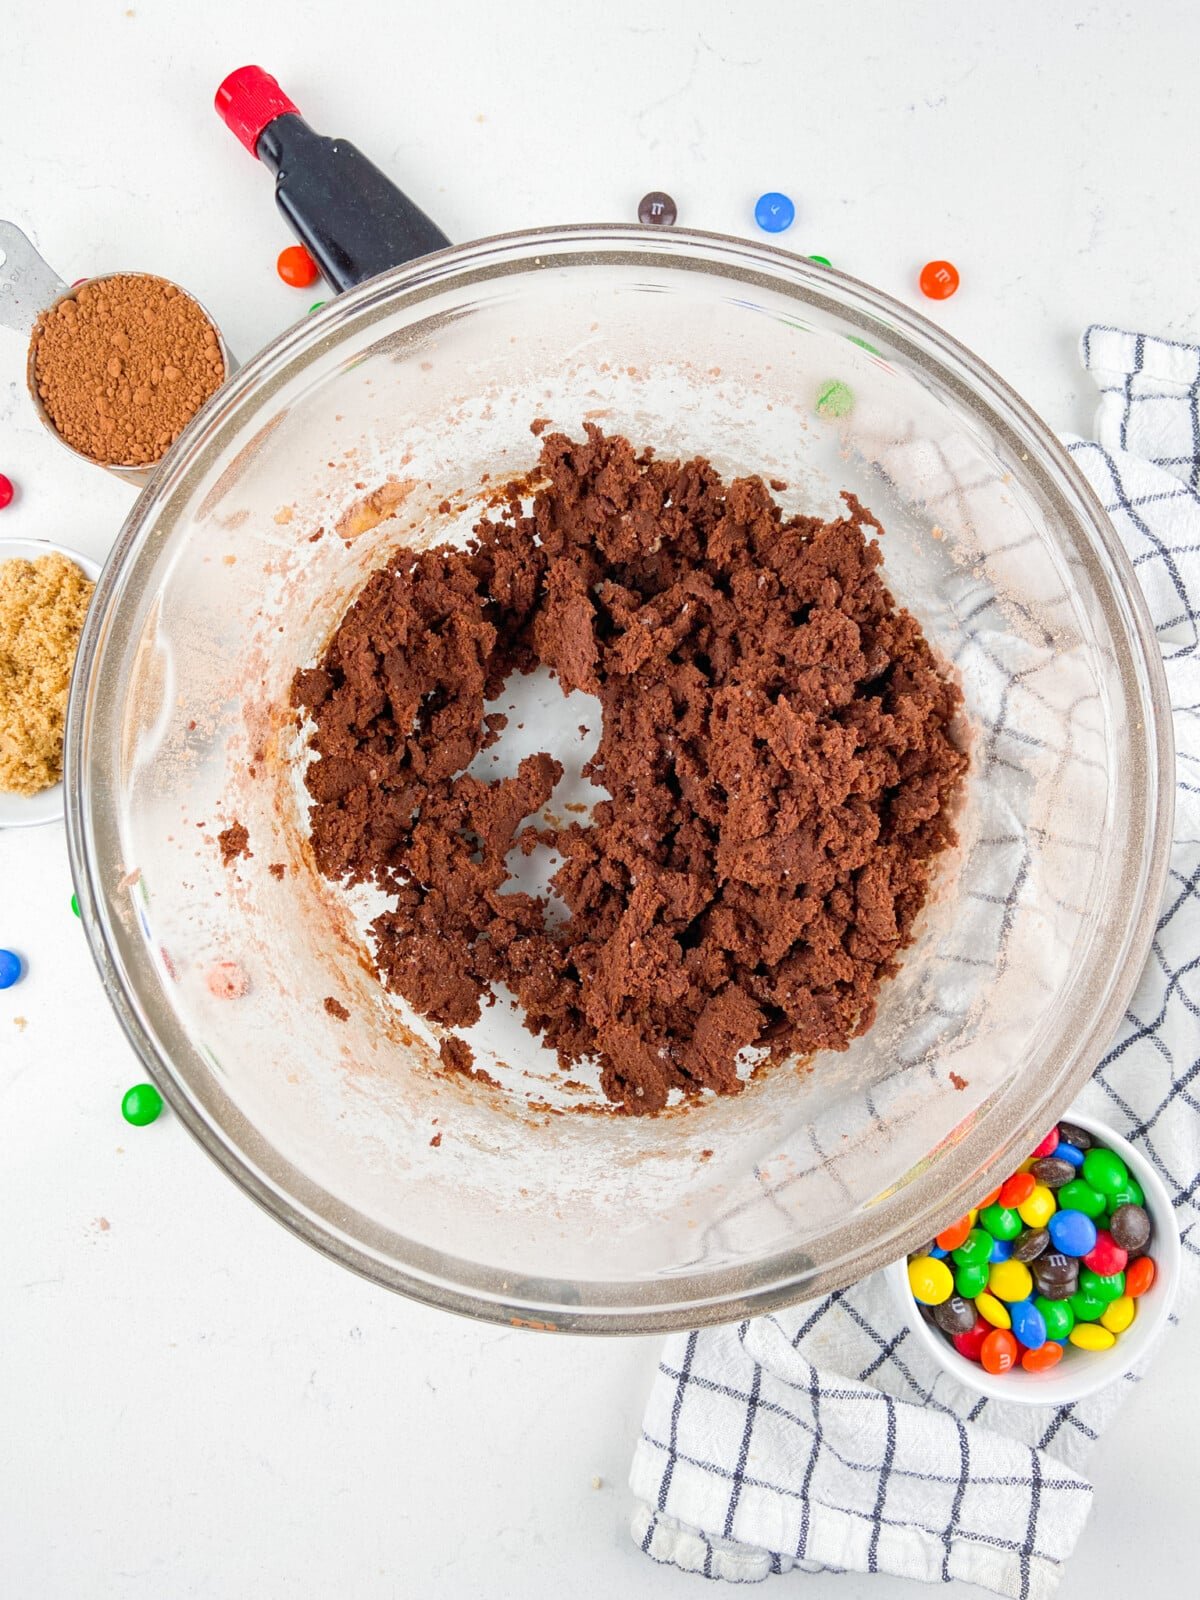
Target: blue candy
936 1251
1028 1324
1068 1152
1072 1233
774 212
1001 1250
10 968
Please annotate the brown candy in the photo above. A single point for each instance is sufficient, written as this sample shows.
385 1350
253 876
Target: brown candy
1030 1244
1130 1227
1070 1134
1056 1275
1053 1171
955 1315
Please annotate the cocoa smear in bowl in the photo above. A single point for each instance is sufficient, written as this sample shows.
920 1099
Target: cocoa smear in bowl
776 746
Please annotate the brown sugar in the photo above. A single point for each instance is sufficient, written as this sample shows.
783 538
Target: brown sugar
42 607
123 365
777 749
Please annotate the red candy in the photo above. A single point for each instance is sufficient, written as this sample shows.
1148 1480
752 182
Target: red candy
970 1344
938 280
1106 1255
6 491
1048 1145
1043 1358
297 267
950 1238
1016 1190
998 1353
1140 1276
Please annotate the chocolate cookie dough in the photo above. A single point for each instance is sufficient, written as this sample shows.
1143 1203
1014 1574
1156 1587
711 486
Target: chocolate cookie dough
776 744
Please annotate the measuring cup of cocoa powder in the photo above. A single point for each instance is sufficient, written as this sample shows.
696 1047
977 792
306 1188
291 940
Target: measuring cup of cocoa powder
118 364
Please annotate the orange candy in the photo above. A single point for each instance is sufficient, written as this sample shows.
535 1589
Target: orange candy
989 1199
998 1352
950 1238
938 280
1042 1359
1139 1275
296 267
1016 1190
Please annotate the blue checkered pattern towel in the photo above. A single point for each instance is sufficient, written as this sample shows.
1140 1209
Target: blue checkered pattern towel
822 1437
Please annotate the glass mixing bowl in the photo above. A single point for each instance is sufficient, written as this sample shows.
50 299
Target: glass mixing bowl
538 1205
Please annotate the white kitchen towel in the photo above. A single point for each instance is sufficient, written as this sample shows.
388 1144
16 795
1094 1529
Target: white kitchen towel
822 1436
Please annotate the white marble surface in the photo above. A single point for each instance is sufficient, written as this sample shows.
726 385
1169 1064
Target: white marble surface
191 1402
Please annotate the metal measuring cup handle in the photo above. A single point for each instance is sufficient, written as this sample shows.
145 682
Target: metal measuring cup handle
29 286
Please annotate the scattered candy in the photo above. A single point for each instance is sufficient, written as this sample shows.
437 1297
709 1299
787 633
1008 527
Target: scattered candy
10 968
938 280
835 399
657 207
774 212
1087 1336
316 306
1054 1256
75 905
1043 1358
141 1104
993 1310
822 261
998 1353
930 1280
6 491
1140 1276
296 267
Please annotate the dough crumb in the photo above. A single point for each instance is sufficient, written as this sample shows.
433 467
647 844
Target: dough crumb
234 842
335 1008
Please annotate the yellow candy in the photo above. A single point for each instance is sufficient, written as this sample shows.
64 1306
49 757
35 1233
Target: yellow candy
1039 1208
990 1309
1011 1281
1027 1164
973 1213
1119 1314
930 1280
1090 1336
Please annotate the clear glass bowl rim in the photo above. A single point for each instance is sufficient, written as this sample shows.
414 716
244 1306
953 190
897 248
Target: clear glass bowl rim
915 1212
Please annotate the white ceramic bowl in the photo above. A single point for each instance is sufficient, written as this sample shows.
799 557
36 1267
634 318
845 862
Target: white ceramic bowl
29 810
1080 1372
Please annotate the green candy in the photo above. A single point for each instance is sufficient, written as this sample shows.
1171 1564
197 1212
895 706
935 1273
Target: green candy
835 399
1101 1286
1105 1171
1080 1196
822 261
1001 1222
971 1281
975 1248
75 905
141 1104
1131 1194
1057 1315
1085 1308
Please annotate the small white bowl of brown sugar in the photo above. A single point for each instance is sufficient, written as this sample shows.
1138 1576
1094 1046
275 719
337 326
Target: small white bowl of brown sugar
45 590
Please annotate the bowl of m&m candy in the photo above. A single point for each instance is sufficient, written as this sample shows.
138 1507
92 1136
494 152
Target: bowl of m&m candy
1060 1278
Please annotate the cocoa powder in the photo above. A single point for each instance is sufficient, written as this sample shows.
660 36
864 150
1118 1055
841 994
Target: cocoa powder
777 745
123 365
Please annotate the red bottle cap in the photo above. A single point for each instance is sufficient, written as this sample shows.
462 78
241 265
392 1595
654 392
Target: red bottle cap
247 100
